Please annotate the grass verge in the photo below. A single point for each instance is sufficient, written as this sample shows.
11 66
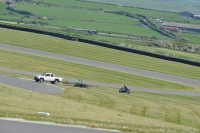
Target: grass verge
21 61
124 114
57 45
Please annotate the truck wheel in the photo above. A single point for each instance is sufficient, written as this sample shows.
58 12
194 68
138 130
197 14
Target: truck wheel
56 81
41 80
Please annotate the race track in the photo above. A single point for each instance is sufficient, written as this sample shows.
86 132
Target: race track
31 85
19 126
28 127
110 66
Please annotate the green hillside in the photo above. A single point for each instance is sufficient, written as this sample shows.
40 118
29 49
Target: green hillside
73 48
102 107
87 15
165 5
99 107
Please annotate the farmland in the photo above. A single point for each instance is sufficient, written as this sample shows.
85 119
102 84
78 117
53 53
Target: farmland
175 6
170 16
80 18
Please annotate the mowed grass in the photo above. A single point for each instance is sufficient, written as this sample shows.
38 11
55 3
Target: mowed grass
73 48
16 75
96 108
158 50
171 53
141 104
20 61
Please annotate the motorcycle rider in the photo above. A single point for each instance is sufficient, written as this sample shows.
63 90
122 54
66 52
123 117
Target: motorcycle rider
125 88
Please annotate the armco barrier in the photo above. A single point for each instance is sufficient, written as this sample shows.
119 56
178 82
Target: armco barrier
37 31
140 52
193 63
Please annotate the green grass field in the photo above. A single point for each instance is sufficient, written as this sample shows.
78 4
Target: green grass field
174 6
101 21
37 64
3 8
140 45
167 16
75 13
171 53
99 107
57 45
195 38
102 108
86 15
5 14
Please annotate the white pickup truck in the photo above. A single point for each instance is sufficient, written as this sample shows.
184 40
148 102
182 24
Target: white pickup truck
50 77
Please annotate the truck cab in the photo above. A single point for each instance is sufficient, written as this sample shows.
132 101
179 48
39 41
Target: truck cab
49 77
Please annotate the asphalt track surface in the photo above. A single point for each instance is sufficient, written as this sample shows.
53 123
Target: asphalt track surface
24 127
110 66
34 86
30 85
14 126
41 88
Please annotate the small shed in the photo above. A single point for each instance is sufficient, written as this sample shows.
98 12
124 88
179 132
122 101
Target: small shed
186 14
197 17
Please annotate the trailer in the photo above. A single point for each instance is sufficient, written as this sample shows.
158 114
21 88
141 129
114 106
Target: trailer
80 84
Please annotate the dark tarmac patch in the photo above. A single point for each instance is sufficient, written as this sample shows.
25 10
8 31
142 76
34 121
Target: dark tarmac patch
30 85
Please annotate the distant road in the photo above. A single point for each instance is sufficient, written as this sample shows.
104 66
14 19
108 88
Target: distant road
110 66
8 126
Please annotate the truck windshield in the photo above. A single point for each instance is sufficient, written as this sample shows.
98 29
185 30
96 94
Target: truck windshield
44 74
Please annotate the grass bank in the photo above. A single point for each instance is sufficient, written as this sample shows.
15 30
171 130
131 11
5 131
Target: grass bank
73 48
75 107
21 61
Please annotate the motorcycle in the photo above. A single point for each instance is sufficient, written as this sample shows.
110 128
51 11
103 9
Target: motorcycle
124 89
